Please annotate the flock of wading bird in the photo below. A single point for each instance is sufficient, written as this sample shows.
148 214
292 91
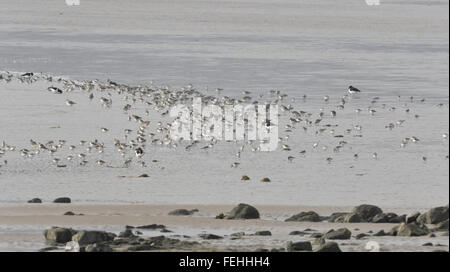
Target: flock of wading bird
137 141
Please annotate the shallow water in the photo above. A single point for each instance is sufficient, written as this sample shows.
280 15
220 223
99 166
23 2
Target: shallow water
398 48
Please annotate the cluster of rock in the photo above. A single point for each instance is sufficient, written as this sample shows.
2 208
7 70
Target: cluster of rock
102 241
65 200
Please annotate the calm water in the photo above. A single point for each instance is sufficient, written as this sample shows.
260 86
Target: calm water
306 48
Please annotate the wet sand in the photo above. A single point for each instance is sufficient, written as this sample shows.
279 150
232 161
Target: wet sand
22 226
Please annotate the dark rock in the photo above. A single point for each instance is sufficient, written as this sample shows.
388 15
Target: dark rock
238 234
412 217
62 200
386 218
361 235
263 233
304 217
35 200
442 226
428 244
412 229
352 218
98 248
243 211
337 217
166 231
58 235
381 233
45 249
328 247
432 235
182 212
318 241
127 233
367 212
340 234
299 246
144 176
297 232
220 216
434 216
92 237
316 235
69 213
260 249
277 250
152 227
210 236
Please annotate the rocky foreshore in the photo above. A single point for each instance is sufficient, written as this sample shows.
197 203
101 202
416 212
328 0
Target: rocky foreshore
431 224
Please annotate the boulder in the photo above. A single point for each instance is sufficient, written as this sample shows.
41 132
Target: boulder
328 247
382 233
182 212
340 234
35 200
62 200
152 227
98 248
244 211
127 233
361 235
387 218
412 229
412 217
58 235
263 233
367 212
443 226
299 246
210 237
434 216
304 217
352 218
337 217
297 232
92 237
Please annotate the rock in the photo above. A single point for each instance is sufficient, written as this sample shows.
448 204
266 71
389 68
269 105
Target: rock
432 235
263 233
443 226
152 227
98 248
220 216
243 211
382 233
45 249
316 235
393 231
62 200
277 250
340 234
127 233
69 213
182 212
210 237
434 216
35 200
144 176
304 217
328 247
265 180
386 218
361 235
238 234
412 229
367 212
318 241
412 217
260 249
299 246
58 235
352 218
92 237
166 231
428 244
337 217
245 178
297 232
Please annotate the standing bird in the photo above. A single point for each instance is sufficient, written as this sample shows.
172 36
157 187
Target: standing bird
139 152
353 90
